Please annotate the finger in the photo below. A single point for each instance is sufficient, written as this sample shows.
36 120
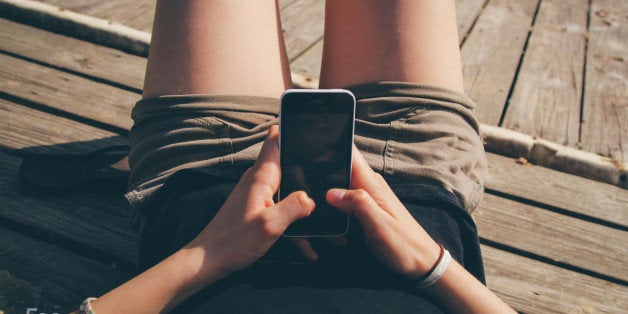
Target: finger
270 148
266 168
360 204
296 206
305 247
363 177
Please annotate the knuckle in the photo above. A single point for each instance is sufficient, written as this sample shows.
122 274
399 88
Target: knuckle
267 226
360 196
302 201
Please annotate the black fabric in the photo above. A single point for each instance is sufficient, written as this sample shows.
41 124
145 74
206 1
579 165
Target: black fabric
344 280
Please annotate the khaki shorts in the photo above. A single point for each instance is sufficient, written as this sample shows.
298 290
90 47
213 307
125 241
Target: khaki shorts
409 132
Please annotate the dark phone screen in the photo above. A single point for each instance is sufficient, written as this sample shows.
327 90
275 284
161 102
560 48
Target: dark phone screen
316 139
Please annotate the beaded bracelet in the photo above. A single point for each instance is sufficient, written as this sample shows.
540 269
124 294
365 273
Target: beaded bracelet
444 260
86 306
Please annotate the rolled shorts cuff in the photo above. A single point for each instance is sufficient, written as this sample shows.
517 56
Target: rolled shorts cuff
406 131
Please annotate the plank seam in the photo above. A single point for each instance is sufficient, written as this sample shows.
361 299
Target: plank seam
547 260
306 49
475 20
584 73
68 244
511 91
558 210
73 72
68 115
498 140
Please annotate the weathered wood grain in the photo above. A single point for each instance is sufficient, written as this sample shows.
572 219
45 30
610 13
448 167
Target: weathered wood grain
309 63
134 13
605 112
72 54
467 12
60 279
531 286
33 131
60 217
491 54
25 131
547 96
562 238
138 14
559 189
302 23
66 92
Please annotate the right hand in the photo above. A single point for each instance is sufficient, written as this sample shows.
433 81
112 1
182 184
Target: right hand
250 222
391 233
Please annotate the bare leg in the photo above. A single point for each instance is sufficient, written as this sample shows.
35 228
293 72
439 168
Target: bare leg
397 40
217 47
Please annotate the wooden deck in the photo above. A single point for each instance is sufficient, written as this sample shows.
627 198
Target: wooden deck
556 69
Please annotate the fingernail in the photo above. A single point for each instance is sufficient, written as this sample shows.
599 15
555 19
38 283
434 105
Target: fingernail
335 196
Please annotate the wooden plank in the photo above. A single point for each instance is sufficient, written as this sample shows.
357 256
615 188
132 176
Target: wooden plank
302 23
66 92
60 217
605 112
138 14
564 239
531 286
58 280
491 53
309 63
558 189
134 13
27 131
85 222
547 96
467 12
33 131
72 54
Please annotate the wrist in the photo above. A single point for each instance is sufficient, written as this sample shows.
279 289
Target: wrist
437 271
426 260
199 265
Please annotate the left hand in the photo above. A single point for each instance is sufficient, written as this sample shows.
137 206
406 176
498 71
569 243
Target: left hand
250 222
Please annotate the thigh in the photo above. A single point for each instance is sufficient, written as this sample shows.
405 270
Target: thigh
217 47
402 40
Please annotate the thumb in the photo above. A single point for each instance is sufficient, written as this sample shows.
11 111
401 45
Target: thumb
296 206
358 203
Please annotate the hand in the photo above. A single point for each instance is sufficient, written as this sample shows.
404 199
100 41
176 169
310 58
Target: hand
249 222
390 231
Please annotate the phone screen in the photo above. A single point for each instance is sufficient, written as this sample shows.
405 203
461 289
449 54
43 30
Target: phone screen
316 140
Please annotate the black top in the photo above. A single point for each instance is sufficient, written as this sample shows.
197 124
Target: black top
343 280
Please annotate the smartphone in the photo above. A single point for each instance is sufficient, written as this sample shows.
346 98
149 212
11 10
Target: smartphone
315 139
